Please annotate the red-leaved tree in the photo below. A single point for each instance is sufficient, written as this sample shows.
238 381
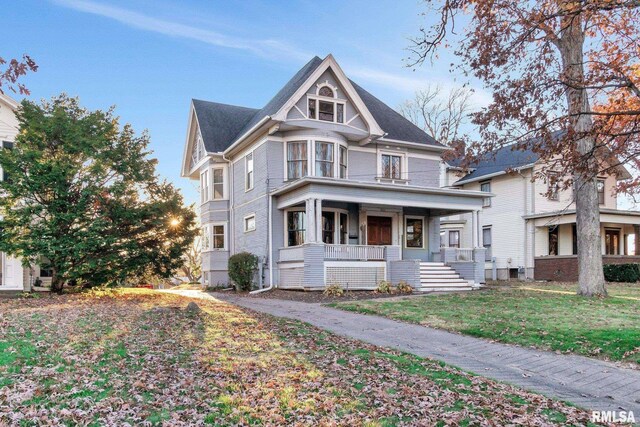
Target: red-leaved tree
10 74
565 76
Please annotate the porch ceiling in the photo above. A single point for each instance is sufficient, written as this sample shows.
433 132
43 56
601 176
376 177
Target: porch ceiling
439 200
569 217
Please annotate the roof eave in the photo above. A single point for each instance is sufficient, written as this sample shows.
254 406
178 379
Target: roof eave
492 175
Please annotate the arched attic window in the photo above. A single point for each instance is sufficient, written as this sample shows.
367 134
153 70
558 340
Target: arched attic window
321 108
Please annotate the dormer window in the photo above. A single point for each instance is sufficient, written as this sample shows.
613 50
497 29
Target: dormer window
325 105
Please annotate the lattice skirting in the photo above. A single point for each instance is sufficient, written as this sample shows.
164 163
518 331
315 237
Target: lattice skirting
292 278
355 275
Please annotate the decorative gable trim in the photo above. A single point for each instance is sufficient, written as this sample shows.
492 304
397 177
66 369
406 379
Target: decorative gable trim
330 63
194 145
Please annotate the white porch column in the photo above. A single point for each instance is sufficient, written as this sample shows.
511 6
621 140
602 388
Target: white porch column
479 230
474 229
310 208
319 220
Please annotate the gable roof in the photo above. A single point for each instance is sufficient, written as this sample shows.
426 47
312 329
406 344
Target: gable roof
506 158
221 124
393 123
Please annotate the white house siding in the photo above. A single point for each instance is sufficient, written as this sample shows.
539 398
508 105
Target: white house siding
14 277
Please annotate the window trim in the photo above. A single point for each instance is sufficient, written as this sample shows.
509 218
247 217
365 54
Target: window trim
555 196
244 222
404 166
332 161
316 98
553 229
422 218
249 186
286 226
311 156
225 241
225 195
486 201
488 254
449 238
205 192
286 157
604 189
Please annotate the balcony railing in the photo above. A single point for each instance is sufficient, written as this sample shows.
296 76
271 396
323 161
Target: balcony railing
354 252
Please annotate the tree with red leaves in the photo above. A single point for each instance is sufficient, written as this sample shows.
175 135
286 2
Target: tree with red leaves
552 65
16 68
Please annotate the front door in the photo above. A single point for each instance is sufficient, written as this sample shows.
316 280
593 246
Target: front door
378 230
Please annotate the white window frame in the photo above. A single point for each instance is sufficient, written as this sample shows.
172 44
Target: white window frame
224 235
310 146
486 202
249 180
206 238
404 167
336 223
244 223
333 100
205 188
286 226
224 183
333 158
424 234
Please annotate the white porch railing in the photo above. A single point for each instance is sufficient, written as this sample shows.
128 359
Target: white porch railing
456 254
354 252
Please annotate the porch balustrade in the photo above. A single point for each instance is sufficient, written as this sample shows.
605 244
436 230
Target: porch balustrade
354 252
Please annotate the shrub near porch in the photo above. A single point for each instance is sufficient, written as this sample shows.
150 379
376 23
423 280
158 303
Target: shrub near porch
140 357
545 316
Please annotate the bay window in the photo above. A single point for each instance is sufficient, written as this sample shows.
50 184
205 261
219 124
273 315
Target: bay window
218 239
296 159
324 159
218 184
204 186
343 161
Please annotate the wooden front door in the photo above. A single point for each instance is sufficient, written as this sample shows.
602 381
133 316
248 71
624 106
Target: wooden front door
378 230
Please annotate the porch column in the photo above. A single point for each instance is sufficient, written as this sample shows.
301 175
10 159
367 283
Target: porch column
636 232
319 220
474 229
310 207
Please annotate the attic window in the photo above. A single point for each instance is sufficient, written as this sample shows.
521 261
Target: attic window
327 111
326 91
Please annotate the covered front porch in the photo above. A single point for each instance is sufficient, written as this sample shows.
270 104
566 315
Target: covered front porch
358 234
556 245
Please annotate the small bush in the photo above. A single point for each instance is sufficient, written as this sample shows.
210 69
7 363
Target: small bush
241 269
384 287
404 288
334 290
622 272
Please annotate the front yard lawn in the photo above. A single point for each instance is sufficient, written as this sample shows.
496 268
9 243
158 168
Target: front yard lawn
139 356
545 316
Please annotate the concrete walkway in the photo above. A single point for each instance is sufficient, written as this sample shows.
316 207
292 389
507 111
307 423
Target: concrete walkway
588 383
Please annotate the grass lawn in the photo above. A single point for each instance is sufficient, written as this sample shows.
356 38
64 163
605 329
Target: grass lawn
138 356
545 316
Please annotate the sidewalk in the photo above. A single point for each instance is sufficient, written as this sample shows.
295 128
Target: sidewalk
588 383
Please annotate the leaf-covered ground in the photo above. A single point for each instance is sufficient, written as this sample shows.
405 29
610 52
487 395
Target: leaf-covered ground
139 357
545 316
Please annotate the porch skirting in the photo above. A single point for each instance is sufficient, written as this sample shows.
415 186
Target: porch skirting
565 267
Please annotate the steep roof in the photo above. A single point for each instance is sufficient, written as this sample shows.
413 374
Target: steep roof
506 158
393 123
222 124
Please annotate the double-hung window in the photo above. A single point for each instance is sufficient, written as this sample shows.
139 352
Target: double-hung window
206 238
600 185
248 185
391 166
553 189
486 188
486 242
343 161
218 184
204 186
324 159
296 159
218 239
454 239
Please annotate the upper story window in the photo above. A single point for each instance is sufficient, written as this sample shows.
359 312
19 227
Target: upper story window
324 159
325 106
486 187
218 184
343 161
204 186
297 165
391 166
248 182
601 191
553 189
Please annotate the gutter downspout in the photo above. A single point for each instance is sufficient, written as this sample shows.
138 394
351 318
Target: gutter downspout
270 255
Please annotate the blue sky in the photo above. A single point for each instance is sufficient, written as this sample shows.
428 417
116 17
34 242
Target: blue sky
149 58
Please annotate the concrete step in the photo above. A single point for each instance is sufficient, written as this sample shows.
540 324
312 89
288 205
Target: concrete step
440 276
435 268
444 288
450 281
432 264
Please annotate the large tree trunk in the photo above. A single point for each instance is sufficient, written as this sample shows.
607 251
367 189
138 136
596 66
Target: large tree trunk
56 282
571 44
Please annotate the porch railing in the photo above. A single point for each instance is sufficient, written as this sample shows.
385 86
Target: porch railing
457 254
354 252
294 253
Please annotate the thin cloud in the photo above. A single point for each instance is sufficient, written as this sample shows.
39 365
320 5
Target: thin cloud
266 48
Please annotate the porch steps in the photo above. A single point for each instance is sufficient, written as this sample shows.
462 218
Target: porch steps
436 276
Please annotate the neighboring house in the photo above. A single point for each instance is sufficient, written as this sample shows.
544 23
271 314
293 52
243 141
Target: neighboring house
325 184
528 233
12 276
